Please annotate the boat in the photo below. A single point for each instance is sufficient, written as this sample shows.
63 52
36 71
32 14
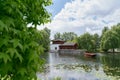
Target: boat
89 54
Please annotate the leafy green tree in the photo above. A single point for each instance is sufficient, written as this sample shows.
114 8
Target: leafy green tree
85 42
110 40
104 30
66 36
44 38
116 30
57 36
96 41
47 30
69 36
19 48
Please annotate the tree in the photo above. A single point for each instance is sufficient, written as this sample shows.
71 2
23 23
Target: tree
57 36
47 30
85 42
66 36
116 29
69 36
44 38
96 41
110 39
104 30
19 48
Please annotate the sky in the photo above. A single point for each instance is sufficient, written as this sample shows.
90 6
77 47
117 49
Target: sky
80 16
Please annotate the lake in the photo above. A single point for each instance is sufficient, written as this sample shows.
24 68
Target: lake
66 67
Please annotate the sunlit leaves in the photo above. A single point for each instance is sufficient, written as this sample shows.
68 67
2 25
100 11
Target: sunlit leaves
15 42
5 57
13 52
3 26
33 44
19 56
33 56
19 45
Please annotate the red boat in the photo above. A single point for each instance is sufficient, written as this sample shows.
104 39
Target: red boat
89 54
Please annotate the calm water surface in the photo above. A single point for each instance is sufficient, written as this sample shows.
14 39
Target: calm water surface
103 67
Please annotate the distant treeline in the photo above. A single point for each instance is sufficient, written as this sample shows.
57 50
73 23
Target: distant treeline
109 39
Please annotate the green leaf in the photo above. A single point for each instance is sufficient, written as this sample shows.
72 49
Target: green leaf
40 50
22 71
33 44
20 46
33 56
19 56
5 57
25 47
3 41
1 25
16 43
17 32
9 22
13 52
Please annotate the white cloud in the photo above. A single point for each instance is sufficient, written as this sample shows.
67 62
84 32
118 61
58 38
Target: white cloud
86 16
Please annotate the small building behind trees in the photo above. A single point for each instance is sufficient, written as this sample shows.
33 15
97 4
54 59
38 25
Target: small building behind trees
54 47
70 48
63 47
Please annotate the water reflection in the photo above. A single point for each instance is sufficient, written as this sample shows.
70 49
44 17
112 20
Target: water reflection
103 67
111 64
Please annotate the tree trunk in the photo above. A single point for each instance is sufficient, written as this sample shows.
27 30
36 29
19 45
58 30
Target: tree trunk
113 50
